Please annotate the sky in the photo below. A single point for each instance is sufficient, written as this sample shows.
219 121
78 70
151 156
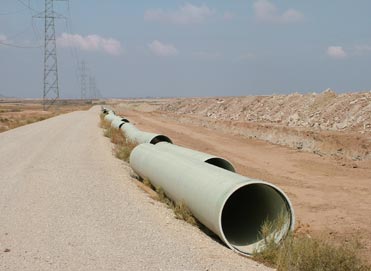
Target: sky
190 48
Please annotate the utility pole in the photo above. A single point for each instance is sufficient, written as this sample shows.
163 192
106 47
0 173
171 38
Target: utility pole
51 84
83 77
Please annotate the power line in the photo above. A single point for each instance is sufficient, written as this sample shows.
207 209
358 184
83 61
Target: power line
73 51
19 46
18 33
12 12
28 5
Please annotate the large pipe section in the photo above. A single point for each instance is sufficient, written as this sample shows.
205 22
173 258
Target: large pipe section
196 155
134 135
232 206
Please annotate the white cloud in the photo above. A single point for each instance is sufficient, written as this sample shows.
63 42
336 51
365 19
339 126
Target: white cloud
291 15
336 52
228 16
161 49
186 14
362 49
90 43
3 38
265 11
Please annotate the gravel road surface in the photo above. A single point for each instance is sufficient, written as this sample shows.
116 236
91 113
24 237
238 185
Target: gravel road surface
67 204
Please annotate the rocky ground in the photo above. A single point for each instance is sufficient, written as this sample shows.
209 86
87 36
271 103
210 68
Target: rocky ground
330 124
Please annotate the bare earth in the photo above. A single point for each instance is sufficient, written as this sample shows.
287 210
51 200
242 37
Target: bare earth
331 195
67 204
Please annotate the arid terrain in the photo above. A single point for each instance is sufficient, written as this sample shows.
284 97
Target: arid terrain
66 203
69 205
15 112
316 147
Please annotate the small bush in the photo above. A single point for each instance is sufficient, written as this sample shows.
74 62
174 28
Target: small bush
123 152
163 198
146 182
182 212
117 137
108 132
123 147
104 124
180 209
301 252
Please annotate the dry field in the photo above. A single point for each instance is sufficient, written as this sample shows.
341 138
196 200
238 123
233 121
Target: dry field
316 147
15 113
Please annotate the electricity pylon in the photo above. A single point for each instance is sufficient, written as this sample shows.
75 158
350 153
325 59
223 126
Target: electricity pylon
83 76
51 84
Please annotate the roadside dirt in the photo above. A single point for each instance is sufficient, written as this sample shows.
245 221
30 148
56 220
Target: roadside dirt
15 113
331 198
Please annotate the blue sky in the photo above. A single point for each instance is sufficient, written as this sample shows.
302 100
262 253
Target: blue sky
192 48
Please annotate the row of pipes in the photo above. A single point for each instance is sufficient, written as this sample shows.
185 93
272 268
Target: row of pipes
231 205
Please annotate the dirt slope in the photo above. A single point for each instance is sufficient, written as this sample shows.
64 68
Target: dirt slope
337 125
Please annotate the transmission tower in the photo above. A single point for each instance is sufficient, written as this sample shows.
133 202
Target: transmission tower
83 77
51 85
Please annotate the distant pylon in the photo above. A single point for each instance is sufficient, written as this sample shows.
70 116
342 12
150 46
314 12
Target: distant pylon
83 76
51 84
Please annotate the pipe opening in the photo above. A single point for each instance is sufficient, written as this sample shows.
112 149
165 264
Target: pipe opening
220 162
160 138
125 120
246 210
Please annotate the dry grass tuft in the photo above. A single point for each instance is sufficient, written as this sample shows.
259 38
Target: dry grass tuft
180 209
146 182
163 198
182 212
123 151
122 148
300 252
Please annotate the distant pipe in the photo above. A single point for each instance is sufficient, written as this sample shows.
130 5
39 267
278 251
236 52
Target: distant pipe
134 135
232 206
118 122
196 155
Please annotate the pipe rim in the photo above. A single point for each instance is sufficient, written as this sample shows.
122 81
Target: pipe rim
160 138
220 163
235 189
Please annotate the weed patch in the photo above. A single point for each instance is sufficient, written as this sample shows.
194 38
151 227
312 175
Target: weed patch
122 147
182 212
300 252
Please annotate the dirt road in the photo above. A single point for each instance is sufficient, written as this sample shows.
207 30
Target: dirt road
332 199
67 204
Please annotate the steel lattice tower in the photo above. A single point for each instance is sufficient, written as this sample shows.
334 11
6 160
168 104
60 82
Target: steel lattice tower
83 81
51 85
